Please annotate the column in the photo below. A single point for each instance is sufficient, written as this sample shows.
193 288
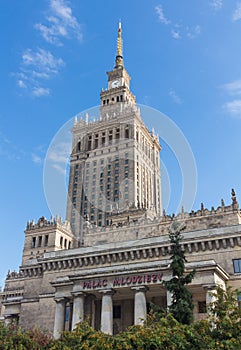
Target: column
209 297
107 311
8 319
140 305
169 299
78 308
59 317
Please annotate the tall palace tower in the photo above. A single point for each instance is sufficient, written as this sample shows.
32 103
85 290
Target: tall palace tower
115 161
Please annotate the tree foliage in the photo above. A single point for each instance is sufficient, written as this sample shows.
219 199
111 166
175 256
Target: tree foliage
221 330
182 306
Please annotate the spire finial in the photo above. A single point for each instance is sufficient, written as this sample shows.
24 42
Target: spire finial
119 57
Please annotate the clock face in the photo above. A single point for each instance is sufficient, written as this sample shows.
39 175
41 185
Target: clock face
115 83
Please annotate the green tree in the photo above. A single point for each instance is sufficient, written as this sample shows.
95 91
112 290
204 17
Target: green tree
182 306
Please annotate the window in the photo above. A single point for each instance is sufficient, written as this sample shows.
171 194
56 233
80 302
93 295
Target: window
127 133
39 241
237 265
33 242
46 239
116 311
202 307
61 241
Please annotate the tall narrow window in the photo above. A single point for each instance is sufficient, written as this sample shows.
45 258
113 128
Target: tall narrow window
46 240
39 241
33 242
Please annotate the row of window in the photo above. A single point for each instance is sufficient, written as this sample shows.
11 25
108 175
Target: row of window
40 241
64 243
98 139
113 99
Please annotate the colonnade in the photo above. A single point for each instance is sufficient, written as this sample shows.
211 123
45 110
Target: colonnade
106 309
140 308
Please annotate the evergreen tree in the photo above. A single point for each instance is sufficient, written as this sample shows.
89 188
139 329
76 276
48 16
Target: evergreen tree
181 306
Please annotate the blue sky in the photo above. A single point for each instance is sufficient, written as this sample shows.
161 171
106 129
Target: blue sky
184 60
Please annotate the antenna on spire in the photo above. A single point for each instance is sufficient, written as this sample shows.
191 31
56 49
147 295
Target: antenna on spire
119 56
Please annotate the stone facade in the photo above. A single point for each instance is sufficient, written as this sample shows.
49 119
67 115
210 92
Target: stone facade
106 263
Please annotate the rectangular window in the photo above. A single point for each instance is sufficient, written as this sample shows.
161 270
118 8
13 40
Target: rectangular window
116 311
39 241
237 265
33 242
202 307
46 240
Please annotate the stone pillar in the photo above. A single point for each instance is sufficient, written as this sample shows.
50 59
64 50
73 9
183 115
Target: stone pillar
7 320
78 308
169 299
140 305
210 298
59 317
107 311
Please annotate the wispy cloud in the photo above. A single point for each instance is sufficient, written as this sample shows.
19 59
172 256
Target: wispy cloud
39 65
60 23
233 88
174 97
233 107
178 31
237 13
58 156
175 34
193 33
36 159
36 68
9 150
160 13
216 4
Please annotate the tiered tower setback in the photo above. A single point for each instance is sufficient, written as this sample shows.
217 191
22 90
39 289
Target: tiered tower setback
115 161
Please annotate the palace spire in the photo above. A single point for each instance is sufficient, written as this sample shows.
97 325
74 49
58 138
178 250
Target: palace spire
119 57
